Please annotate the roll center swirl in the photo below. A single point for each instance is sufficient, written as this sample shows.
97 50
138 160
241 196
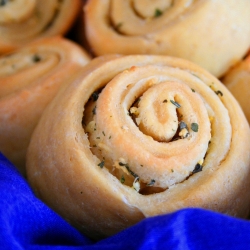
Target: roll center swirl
149 128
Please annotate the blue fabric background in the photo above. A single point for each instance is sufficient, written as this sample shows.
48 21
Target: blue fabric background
27 223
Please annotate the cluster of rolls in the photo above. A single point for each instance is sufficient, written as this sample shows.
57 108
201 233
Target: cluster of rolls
212 34
141 111
35 61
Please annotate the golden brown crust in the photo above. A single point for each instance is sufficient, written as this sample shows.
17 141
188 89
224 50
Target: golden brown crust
213 34
30 78
237 80
22 22
88 174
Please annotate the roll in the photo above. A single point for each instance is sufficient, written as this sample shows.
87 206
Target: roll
30 78
212 34
23 21
237 80
139 136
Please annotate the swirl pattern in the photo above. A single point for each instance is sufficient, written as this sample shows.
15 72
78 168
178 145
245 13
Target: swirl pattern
22 21
140 136
192 29
30 78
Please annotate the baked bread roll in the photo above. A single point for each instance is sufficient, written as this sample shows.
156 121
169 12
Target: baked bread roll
30 77
237 80
138 136
23 21
212 34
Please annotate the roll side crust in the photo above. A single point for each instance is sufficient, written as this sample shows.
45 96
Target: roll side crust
237 80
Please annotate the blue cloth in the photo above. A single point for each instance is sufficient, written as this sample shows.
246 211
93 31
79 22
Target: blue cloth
27 223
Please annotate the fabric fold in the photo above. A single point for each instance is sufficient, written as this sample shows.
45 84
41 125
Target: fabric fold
26 223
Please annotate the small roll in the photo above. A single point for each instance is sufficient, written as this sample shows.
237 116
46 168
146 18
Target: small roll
30 77
23 21
212 34
138 136
237 80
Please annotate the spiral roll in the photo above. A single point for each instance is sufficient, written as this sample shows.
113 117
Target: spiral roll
29 79
237 80
138 136
212 34
23 21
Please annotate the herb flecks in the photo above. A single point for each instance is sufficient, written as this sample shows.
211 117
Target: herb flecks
129 170
118 25
194 74
122 180
194 127
101 164
182 125
3 2
151 183
36 58
183 130
158 12
218 92
198 168
94 110
95 96
177 105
